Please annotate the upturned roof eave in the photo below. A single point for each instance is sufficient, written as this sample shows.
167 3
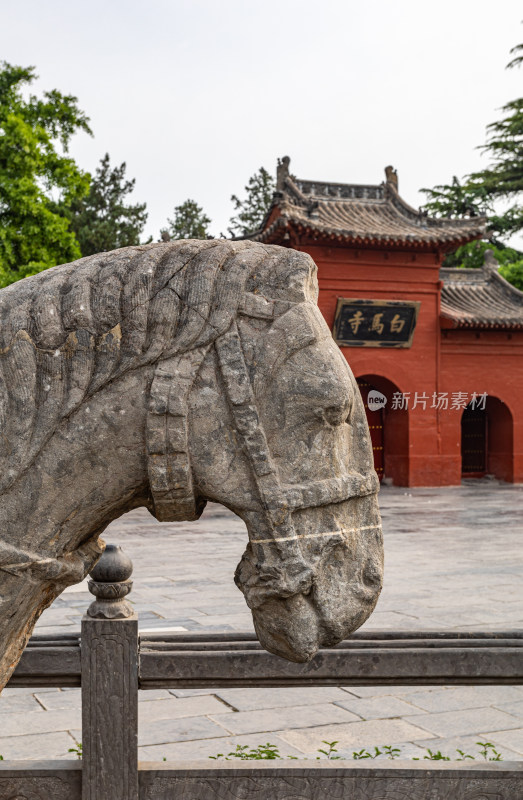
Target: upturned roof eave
284 224
470 309
461 323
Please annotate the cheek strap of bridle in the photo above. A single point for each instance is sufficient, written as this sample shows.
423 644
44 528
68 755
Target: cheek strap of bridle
243 408
281 570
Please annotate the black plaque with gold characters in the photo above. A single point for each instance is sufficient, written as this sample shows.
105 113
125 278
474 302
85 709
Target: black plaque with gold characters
375 323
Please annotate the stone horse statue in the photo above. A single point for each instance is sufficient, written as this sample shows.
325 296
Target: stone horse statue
167 375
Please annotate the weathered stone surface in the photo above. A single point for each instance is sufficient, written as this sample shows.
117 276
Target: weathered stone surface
169 374
335 780
32 782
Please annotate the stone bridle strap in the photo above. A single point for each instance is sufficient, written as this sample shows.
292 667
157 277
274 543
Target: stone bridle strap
247 422
167 438
331 490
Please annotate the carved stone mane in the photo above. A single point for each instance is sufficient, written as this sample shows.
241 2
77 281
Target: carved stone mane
68 332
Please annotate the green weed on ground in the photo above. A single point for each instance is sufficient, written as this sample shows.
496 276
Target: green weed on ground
270 752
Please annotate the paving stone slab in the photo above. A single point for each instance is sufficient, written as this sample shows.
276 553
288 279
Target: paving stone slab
356 735
461 697
211 609
154 694
512 739
175 708
514 709
240 622
457 723
181 751
179 730
167 624
255 698
380 691
71 698
37 746
288 717
60 700
21 723
19 702
378 707
21 691
70 627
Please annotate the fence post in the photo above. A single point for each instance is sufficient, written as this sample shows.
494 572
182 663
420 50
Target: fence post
109 644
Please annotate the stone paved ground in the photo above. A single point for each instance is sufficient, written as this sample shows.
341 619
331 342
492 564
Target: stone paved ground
453 561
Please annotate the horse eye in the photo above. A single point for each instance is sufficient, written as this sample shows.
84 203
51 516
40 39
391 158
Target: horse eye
333 415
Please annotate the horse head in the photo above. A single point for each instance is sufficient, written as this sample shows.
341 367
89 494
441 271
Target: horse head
168 375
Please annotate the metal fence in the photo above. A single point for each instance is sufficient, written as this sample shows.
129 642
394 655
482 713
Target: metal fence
111 662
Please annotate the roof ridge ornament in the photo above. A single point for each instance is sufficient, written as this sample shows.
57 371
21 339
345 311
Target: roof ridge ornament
282 172
490 261
391 177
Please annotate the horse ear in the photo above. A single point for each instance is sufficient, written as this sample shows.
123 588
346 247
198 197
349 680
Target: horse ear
268 341
285 275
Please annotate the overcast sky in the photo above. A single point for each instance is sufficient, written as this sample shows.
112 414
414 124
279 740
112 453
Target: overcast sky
196 95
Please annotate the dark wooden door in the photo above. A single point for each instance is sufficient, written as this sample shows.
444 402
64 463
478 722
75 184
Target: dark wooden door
474 442
375 422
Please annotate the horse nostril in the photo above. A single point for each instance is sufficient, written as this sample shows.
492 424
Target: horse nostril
371 574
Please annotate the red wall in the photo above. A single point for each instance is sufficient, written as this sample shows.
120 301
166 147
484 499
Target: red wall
423 446
492 362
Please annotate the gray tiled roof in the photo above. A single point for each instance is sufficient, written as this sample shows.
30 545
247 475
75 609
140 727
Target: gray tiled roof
480 298
360 214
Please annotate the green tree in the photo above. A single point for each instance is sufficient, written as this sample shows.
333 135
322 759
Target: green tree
456 199
38 182
252 210
503 178
496 191
513 273
189 222
102 220
517 51
472 198
472 256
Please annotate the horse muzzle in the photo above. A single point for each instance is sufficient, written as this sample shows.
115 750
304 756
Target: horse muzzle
316 589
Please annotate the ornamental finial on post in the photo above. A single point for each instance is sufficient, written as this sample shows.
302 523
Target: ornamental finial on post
110 583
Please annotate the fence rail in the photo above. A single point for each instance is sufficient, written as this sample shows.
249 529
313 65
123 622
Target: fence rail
111 662
202 661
